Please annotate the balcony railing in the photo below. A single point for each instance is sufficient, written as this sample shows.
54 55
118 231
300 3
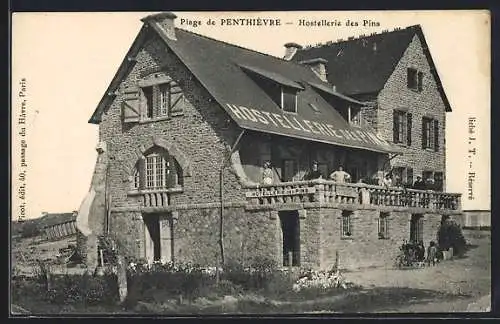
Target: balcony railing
154 197
325 191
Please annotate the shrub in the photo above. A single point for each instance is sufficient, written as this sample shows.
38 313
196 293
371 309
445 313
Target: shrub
72 289
450 235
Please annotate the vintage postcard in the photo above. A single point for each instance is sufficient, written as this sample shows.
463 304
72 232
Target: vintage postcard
186 163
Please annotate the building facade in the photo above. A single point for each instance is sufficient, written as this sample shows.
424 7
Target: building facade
209 148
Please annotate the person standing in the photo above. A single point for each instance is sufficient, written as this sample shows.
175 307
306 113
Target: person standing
432 254
419 184
387 181
340 176
314 173
267 173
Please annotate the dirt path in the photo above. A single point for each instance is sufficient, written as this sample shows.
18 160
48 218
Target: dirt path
449 286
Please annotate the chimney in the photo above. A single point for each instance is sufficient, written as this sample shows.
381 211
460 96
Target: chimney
165 20
318 65
290 50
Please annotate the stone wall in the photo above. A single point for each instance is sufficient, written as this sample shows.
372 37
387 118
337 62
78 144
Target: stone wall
364 248
428 102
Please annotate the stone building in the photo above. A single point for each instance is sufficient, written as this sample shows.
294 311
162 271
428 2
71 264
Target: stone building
58 226
189 123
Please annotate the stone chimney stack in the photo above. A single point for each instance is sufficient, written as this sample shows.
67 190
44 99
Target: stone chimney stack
165 20
290 50
318 65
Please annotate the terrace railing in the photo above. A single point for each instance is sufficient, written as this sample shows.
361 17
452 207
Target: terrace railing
326 191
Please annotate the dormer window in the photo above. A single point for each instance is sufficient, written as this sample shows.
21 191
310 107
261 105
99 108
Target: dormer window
289 99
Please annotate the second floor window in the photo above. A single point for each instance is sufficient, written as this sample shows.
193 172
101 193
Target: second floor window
430 134
415 79
152 101
402 127
161 99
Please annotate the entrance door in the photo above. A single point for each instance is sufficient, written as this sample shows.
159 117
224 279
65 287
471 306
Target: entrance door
158 237
290 227
152 237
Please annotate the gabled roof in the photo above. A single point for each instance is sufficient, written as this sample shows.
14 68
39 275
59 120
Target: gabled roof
363 65
224 71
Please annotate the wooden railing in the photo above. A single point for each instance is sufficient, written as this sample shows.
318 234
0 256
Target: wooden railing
326 191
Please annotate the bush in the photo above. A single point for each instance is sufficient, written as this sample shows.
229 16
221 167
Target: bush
73 289
450 236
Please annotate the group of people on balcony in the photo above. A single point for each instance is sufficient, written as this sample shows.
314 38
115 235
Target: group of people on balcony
341 176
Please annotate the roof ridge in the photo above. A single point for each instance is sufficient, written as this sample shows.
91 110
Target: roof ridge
359 37
241 47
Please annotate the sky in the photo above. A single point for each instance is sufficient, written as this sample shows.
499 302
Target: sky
62 64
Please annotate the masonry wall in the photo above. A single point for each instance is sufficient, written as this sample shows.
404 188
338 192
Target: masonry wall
201 132
364 248
397 95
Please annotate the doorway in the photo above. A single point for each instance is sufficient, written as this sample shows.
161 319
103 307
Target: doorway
158 237
290 228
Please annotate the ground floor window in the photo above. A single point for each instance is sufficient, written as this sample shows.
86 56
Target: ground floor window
383 226
417 228
346 223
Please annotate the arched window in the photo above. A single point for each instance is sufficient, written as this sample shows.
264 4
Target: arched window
157 170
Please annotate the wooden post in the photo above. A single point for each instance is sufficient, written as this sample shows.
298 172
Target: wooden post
336 260
290 259
101 256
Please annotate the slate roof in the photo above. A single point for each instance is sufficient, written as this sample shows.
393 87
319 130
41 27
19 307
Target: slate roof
363 65
225 71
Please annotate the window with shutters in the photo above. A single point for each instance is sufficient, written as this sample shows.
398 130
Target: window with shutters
402 126
152 101
430 134
157 170
415 79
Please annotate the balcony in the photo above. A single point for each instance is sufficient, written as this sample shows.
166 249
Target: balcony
154 198
356 194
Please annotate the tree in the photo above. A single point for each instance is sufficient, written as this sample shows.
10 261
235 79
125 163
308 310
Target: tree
450 236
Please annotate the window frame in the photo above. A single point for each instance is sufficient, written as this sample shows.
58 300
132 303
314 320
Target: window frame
383 231
430 131
346 224
282 103
404 125
158 171
414 79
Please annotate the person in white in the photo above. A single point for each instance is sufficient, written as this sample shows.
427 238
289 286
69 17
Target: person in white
340 176
387 181
267 174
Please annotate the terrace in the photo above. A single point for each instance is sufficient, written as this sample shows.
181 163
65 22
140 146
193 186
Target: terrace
357 195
